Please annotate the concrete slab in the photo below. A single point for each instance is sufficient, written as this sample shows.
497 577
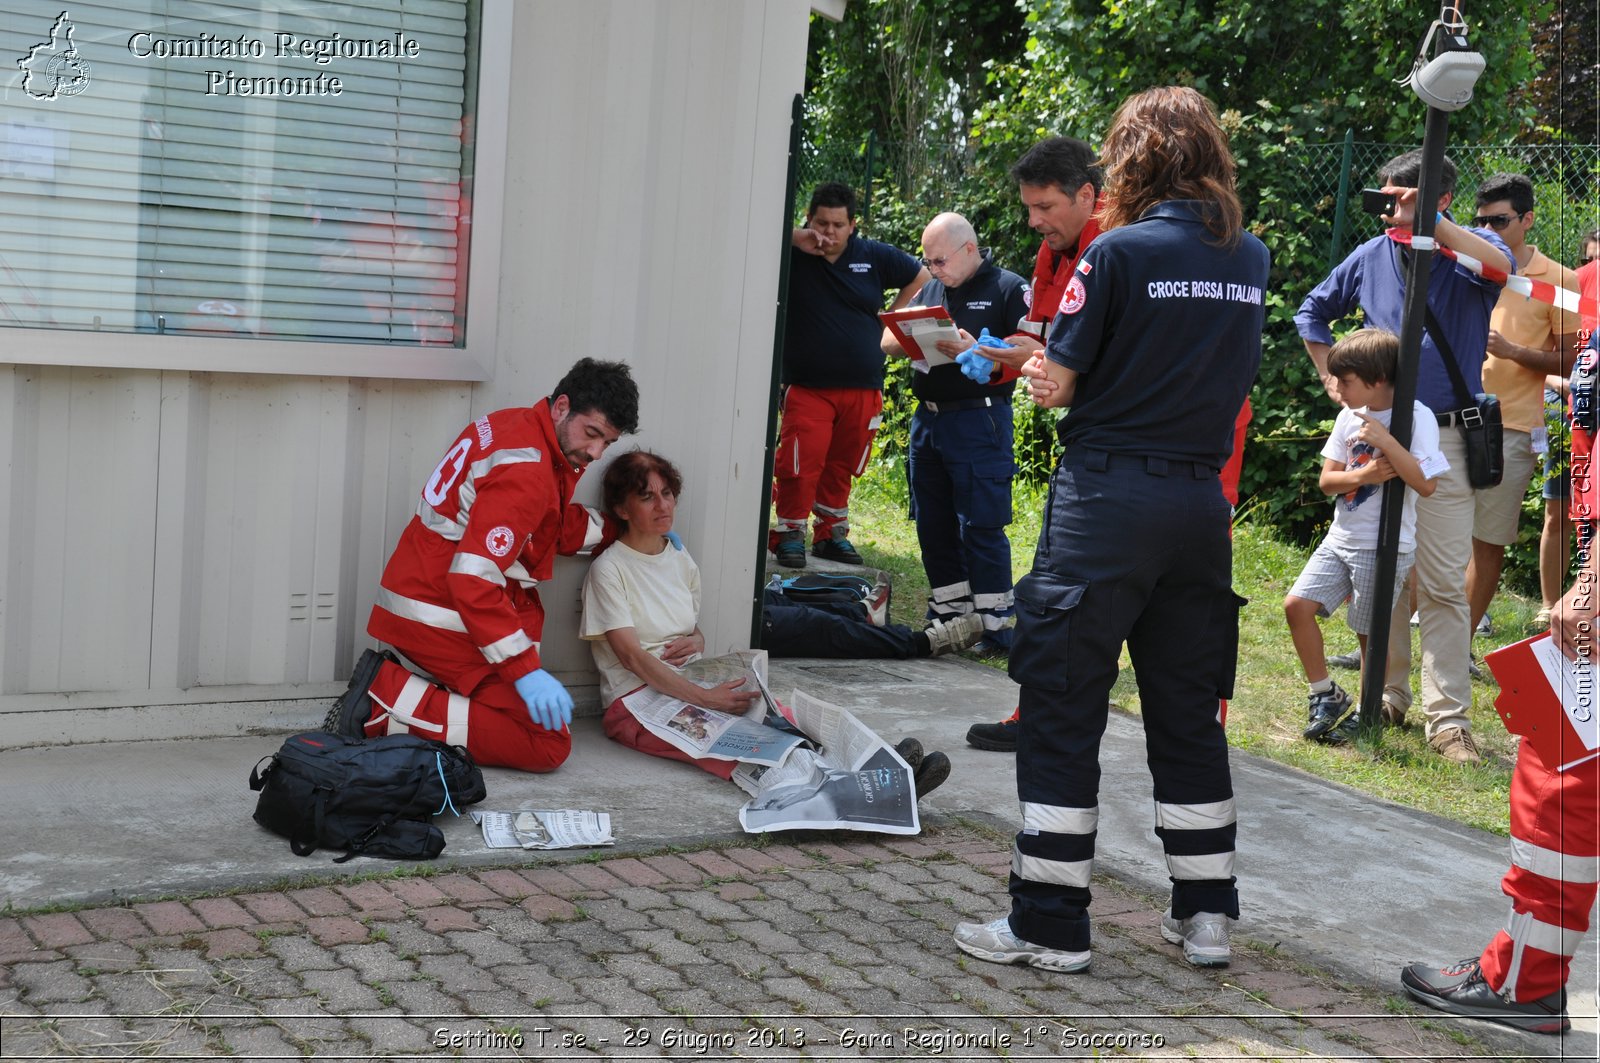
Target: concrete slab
1332 876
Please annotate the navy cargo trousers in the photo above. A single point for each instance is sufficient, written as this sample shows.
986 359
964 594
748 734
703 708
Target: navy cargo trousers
1132 550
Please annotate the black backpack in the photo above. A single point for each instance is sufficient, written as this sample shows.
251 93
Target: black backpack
369 796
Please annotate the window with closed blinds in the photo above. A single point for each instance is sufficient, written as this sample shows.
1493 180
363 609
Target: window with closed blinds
280 170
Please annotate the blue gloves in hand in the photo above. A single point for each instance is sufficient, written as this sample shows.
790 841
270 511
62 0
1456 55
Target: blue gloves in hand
974 365
677 543
549 704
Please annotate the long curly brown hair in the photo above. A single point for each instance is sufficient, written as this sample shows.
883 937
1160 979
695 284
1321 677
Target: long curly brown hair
1166 143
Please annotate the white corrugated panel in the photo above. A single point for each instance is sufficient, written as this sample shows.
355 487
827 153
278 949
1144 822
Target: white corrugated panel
154 194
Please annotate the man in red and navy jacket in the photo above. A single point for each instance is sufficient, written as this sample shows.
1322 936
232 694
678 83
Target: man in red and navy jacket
459 595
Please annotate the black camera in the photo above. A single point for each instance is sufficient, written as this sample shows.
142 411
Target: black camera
1377 201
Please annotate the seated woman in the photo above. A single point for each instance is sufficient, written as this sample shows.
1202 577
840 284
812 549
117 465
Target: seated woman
641 607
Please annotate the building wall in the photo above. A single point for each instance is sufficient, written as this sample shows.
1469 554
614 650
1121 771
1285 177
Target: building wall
188 552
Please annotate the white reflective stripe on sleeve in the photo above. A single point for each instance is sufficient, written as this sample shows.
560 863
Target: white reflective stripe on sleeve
509 456
1195 817
1525 930
402 714
1550 864
1059 819
455 732
950 591
519 572
504 649
1055 872
441 525
464 564
422 612
596 530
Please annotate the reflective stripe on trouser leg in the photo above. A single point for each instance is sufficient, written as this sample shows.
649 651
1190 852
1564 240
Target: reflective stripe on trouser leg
998 612
1555 865
949 601
856 416
400 716
804 437
1198 840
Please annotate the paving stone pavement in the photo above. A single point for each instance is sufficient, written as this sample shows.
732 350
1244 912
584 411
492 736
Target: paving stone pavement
818 946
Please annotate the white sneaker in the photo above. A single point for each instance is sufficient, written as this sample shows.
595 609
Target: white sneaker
1204 937
996 943
957 633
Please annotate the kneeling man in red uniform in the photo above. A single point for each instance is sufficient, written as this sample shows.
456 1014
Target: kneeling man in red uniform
459 595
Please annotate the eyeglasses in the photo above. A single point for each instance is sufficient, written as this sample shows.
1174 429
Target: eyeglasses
1497 222
940 263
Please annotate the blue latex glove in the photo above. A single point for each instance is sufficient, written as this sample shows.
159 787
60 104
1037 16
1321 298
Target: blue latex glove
549 704
677 543
974 365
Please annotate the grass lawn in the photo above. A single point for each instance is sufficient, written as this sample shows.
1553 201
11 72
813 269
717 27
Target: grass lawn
1268 710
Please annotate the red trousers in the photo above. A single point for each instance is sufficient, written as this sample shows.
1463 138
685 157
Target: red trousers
621 726
490 719
1555 860
823 444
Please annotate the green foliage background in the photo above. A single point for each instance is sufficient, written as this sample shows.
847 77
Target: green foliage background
924 104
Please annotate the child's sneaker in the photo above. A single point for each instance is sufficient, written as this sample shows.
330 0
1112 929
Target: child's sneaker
1328 710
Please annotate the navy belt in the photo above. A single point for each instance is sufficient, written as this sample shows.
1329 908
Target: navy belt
956 404
1105 461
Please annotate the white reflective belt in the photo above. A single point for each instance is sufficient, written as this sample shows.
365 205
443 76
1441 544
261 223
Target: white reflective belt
1547 863
422 612
951 591
504 649
1195 817
1201 867
402 714
455 732
465 564
1059 819
1056 872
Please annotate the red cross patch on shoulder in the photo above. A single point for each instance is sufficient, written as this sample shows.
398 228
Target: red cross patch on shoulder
499 541
1072 300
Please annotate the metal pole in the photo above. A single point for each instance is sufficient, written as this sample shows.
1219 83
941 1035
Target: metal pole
782 316
866 183
1374 663
1341 205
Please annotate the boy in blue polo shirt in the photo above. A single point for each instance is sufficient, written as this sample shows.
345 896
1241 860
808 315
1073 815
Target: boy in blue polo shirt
1360 455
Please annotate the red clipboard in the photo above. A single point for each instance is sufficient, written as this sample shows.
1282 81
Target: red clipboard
1547 699
907 325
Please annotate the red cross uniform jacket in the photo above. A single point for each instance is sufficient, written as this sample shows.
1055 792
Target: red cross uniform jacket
1051 272
491 519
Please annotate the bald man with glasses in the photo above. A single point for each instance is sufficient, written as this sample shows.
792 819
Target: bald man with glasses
960 461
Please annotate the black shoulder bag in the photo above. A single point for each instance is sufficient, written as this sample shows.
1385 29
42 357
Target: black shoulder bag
1478 417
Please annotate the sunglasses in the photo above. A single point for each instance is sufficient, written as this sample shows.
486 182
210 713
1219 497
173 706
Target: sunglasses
1497 222
940 263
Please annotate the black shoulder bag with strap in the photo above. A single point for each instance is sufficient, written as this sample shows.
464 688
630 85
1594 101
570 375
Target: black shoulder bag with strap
368 797
1478 417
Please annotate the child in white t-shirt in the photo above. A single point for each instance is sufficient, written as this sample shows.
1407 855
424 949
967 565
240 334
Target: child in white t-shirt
1359 457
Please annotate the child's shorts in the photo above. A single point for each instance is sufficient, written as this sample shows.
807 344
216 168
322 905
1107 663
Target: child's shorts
1335 573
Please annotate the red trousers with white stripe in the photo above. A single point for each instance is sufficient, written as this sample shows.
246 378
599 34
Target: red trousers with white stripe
1555 860
490 719
823 445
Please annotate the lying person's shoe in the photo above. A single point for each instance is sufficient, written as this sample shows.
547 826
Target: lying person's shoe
957 633
791 550
877 602
934 769
1461 990
838 549
352 709
996 943
1327 711
1204 937
996 737
1351 661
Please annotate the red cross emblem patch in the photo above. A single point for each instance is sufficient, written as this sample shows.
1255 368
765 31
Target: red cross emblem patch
499 541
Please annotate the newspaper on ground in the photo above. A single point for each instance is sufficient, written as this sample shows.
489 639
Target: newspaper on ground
761 736
852 780
527 828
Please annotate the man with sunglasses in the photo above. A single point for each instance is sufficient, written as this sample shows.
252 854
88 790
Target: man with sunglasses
1373 278
960 460
1528 340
